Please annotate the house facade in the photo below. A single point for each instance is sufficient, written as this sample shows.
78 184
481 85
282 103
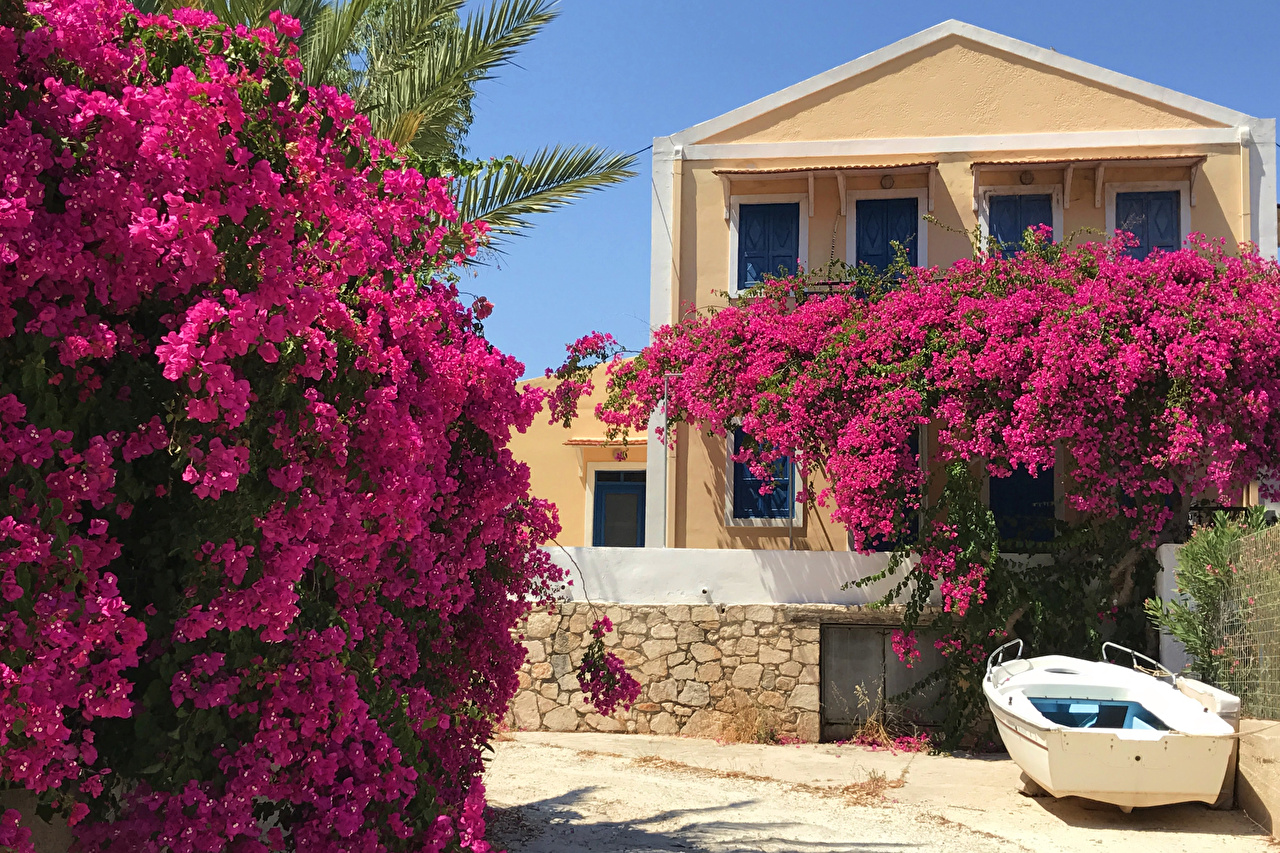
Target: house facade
732 607
957 123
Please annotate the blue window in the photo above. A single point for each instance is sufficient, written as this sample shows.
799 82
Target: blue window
881 222
747 500
1023 505
618 512
768 241
1011 215
1155 218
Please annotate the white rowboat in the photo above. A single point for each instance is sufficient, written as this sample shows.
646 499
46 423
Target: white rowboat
1109 733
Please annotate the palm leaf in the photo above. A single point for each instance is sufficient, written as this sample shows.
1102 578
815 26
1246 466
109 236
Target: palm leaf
508 192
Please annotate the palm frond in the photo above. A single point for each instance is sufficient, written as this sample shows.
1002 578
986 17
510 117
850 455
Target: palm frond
506 194
331 37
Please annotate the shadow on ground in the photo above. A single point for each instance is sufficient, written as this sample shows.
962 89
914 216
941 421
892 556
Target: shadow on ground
549 825
1183 817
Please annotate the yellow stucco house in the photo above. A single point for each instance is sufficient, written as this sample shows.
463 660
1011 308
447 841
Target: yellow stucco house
956 122
736 604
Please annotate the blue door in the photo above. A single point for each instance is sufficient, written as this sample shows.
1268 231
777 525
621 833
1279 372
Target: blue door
1023 505
768 241
1011 215
1155 218
881 222
747 500
618 514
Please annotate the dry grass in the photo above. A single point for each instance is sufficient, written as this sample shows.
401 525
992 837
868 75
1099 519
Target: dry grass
752 725
869 792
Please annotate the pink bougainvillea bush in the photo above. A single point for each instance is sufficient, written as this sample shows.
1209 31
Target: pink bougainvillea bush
263 541
1151 383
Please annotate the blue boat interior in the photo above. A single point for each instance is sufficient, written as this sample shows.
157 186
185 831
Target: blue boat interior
1098 714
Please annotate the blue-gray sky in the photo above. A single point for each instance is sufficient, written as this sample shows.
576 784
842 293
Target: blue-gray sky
619 72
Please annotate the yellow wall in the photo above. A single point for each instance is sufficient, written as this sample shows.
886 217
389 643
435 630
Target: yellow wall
562 472
955 87
949 89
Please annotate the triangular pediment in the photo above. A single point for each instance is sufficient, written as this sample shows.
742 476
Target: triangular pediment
959 80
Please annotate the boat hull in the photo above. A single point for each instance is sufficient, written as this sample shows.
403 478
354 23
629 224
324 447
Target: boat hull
1185 761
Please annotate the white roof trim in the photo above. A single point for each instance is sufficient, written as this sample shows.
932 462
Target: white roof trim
946 29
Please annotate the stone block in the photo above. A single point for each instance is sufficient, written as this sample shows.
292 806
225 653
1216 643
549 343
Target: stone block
635 626
748 629
616 615
562 719
534 651
566 642
540 671
684 671
663 631
654 668
524 708
646 707
664 724
630 641
784 683
522 680
630 657
540 625
790 669
604 724
545 704
761 613
550 690
731 632
747 676
706 723
560 665
768 631
782 644
730 662
768 679
704 613
773 657
578 623
809 675
806 653
806 635
733 613
709 672
676 658
663 691
772 699
578 702
741 699
654 648
719 689
568 681
703 652
690 633
804 697
695 693
807 727
678 613
747 646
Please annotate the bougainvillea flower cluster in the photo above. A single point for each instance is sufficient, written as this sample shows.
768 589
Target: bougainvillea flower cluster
263 541
1144 383
603 675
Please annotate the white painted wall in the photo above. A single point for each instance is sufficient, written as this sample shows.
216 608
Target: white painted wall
1172 653
722 576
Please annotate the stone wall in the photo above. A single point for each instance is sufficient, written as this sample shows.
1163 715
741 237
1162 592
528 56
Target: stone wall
704 670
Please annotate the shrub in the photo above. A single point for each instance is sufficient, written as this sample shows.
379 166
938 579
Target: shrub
263 542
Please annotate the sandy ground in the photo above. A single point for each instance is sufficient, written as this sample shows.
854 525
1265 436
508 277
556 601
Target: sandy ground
567 793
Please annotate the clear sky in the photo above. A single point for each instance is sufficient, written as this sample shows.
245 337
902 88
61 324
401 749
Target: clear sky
619 72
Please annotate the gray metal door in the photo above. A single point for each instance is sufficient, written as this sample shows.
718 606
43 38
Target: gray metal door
860 672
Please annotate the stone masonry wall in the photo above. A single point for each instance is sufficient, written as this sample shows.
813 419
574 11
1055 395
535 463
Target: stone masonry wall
703 669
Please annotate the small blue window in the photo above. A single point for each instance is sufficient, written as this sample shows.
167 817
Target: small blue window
1155 218
618 512
1011 215
880 223
768 241
1023 505
747 500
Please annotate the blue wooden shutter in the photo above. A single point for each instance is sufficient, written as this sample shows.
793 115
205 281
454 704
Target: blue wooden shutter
880 223
1010 216
1155 218
1023 505
747 500
618 515
768 241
